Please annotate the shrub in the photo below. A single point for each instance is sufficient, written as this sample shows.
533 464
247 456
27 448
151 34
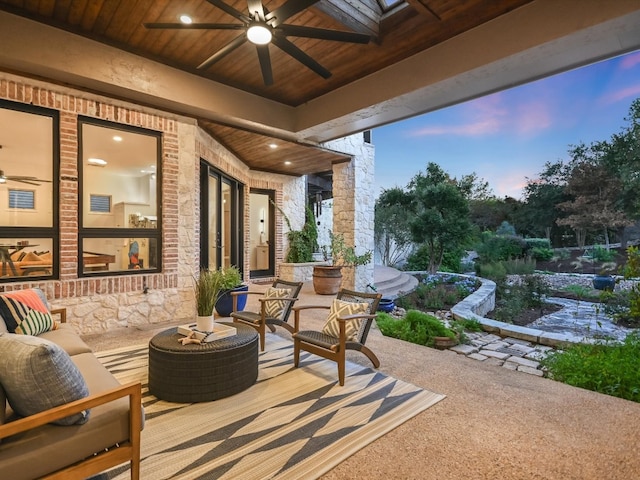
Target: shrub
601 254
493 271
542 253
506 228
515 299
537 243
519 266
609 368
419 260
562 254
416 327
501 247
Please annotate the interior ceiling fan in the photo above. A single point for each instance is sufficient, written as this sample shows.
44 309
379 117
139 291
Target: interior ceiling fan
262 27
21 178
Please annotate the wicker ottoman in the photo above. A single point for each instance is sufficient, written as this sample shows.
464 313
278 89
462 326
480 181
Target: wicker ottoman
204 372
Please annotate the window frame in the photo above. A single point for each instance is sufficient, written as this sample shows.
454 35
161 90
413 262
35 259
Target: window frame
51 233
151 234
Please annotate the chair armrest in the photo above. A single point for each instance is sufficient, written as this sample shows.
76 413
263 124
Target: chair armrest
297 310
132 390
235 294
308 307
62 312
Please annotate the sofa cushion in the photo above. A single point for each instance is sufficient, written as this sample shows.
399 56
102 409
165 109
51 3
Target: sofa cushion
48 448
26 312
66 337
341 308
37 375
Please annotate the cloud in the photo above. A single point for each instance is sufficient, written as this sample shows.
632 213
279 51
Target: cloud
630 61
496 114
632 91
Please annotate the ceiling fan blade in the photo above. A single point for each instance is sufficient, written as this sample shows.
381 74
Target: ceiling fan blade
255 7
323 34
265 64
194 26
289 9
230 10
288 47
24 181
223 52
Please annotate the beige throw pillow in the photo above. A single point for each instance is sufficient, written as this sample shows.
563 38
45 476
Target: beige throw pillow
340 308
274 308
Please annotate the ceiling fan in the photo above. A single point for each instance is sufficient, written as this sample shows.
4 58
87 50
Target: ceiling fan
21 178
262 27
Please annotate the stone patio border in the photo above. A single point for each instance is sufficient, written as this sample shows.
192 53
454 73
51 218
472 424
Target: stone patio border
483 300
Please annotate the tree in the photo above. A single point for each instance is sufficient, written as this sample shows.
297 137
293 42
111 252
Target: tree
621 156
440 213
391 231
595 194
540 212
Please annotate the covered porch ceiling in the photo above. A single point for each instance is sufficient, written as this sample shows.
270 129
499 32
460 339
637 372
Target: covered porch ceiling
422 55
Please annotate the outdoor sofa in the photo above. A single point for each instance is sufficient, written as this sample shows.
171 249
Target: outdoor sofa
101 419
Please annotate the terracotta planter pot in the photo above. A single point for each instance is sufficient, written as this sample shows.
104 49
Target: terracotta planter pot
442 343
327 279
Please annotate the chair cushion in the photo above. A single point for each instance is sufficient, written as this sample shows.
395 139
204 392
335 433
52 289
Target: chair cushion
37 375
275 309
26 312
340 308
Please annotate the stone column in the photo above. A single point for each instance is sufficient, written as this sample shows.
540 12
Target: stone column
353 203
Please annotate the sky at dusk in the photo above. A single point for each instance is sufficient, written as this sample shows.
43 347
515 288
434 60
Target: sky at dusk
508 136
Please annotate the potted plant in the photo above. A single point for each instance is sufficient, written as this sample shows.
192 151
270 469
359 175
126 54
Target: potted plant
207 288
231 281
603 280
327 278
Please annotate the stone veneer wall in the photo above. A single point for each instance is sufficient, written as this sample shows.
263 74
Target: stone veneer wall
354 202
99 304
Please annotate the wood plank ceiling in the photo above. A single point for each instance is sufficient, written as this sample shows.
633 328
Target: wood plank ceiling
409 27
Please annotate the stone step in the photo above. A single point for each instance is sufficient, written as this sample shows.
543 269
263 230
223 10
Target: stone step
391 282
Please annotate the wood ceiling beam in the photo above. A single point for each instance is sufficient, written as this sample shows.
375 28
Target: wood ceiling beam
423 8
354 15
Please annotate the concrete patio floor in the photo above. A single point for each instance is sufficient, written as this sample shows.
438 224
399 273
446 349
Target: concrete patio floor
494 424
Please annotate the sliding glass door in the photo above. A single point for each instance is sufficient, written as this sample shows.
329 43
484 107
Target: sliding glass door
220 215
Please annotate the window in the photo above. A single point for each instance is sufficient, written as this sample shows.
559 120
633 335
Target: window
100 203
22 199
29 161
120 228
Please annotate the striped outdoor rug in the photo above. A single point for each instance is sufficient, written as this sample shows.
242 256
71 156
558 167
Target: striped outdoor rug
292 424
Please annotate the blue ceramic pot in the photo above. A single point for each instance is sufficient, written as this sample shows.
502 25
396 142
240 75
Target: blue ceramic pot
604 282
224 305
386 305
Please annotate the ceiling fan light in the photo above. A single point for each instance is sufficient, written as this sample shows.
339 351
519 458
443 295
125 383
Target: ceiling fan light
259 34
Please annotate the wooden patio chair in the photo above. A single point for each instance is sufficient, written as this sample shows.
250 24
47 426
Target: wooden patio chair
275 308
347 328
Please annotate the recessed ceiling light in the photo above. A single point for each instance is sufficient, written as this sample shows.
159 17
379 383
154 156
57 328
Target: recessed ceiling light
287 162
97 162
117 138
273 145
186 19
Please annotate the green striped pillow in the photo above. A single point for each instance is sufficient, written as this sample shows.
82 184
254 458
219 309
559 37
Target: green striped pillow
25 312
